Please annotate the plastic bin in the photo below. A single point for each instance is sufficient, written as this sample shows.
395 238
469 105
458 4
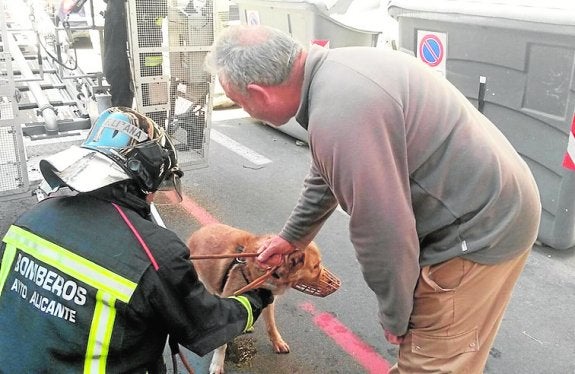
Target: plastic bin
525 52
306 21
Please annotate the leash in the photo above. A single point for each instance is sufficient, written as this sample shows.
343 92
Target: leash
223 255
326 284
175 350
256 282
250 286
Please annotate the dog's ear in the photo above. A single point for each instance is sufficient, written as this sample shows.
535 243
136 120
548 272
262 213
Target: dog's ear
296 260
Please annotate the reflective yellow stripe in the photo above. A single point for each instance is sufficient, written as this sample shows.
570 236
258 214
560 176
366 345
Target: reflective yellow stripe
7 261
110 286
100 333
71 264
246 303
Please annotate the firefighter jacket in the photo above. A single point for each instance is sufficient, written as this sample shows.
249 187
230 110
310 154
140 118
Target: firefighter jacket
79 292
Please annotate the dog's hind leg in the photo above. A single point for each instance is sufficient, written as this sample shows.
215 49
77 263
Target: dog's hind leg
217 364
280 346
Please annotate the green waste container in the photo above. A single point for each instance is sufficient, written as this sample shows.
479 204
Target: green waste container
523 52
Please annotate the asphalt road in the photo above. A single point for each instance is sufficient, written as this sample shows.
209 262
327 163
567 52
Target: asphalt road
340 333
537 335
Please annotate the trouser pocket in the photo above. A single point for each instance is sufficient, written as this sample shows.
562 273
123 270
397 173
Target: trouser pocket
458 306
434 298
439 346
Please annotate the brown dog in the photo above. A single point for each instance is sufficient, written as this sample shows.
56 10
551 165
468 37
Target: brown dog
225 276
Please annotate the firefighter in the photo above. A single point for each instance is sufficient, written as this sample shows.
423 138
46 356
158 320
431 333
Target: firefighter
88 282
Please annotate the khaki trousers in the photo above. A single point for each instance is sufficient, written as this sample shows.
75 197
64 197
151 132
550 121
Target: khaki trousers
458 307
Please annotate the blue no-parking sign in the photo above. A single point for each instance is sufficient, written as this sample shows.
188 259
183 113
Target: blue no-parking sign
432 49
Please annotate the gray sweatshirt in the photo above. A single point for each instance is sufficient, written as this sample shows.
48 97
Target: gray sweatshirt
424 176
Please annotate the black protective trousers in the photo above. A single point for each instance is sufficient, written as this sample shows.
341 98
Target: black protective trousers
116 65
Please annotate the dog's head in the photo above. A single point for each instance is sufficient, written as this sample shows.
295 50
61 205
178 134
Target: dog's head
299 266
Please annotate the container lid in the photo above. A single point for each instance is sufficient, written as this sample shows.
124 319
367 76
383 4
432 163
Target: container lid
324 6
555 12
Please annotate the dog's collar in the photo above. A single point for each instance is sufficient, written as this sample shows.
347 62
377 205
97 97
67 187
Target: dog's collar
234 262
239 260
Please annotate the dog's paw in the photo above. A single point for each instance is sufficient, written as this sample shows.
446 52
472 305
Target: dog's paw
216 369
217 363
280 346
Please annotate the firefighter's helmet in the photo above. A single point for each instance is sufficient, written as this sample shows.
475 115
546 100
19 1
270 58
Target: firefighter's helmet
122 144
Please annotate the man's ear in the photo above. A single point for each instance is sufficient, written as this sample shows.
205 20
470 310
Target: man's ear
259 93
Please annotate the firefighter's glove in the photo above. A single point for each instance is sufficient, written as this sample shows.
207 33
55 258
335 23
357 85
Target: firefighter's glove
259 299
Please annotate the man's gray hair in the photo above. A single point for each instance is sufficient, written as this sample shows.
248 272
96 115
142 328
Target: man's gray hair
252 54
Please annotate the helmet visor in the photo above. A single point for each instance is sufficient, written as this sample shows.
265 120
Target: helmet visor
170 191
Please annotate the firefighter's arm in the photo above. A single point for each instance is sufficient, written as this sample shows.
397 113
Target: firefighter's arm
197 319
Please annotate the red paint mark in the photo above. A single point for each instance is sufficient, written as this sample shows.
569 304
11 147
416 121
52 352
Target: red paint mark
200 214
365 355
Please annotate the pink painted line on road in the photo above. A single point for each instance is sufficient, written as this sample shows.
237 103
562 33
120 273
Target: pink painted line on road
365 355
200 214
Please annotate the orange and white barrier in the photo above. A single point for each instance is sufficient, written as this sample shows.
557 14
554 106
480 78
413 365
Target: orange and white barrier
569 159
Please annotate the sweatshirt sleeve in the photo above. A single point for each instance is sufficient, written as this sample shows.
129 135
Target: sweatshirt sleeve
315 205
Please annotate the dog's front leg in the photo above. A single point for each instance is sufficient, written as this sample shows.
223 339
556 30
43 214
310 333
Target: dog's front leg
280 346
235 281
217 364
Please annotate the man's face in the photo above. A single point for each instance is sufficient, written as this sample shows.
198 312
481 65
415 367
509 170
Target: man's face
242 99
257 107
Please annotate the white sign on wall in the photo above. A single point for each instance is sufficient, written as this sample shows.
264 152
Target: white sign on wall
252 17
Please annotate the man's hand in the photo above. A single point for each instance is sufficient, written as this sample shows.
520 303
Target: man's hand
272 251
393 339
